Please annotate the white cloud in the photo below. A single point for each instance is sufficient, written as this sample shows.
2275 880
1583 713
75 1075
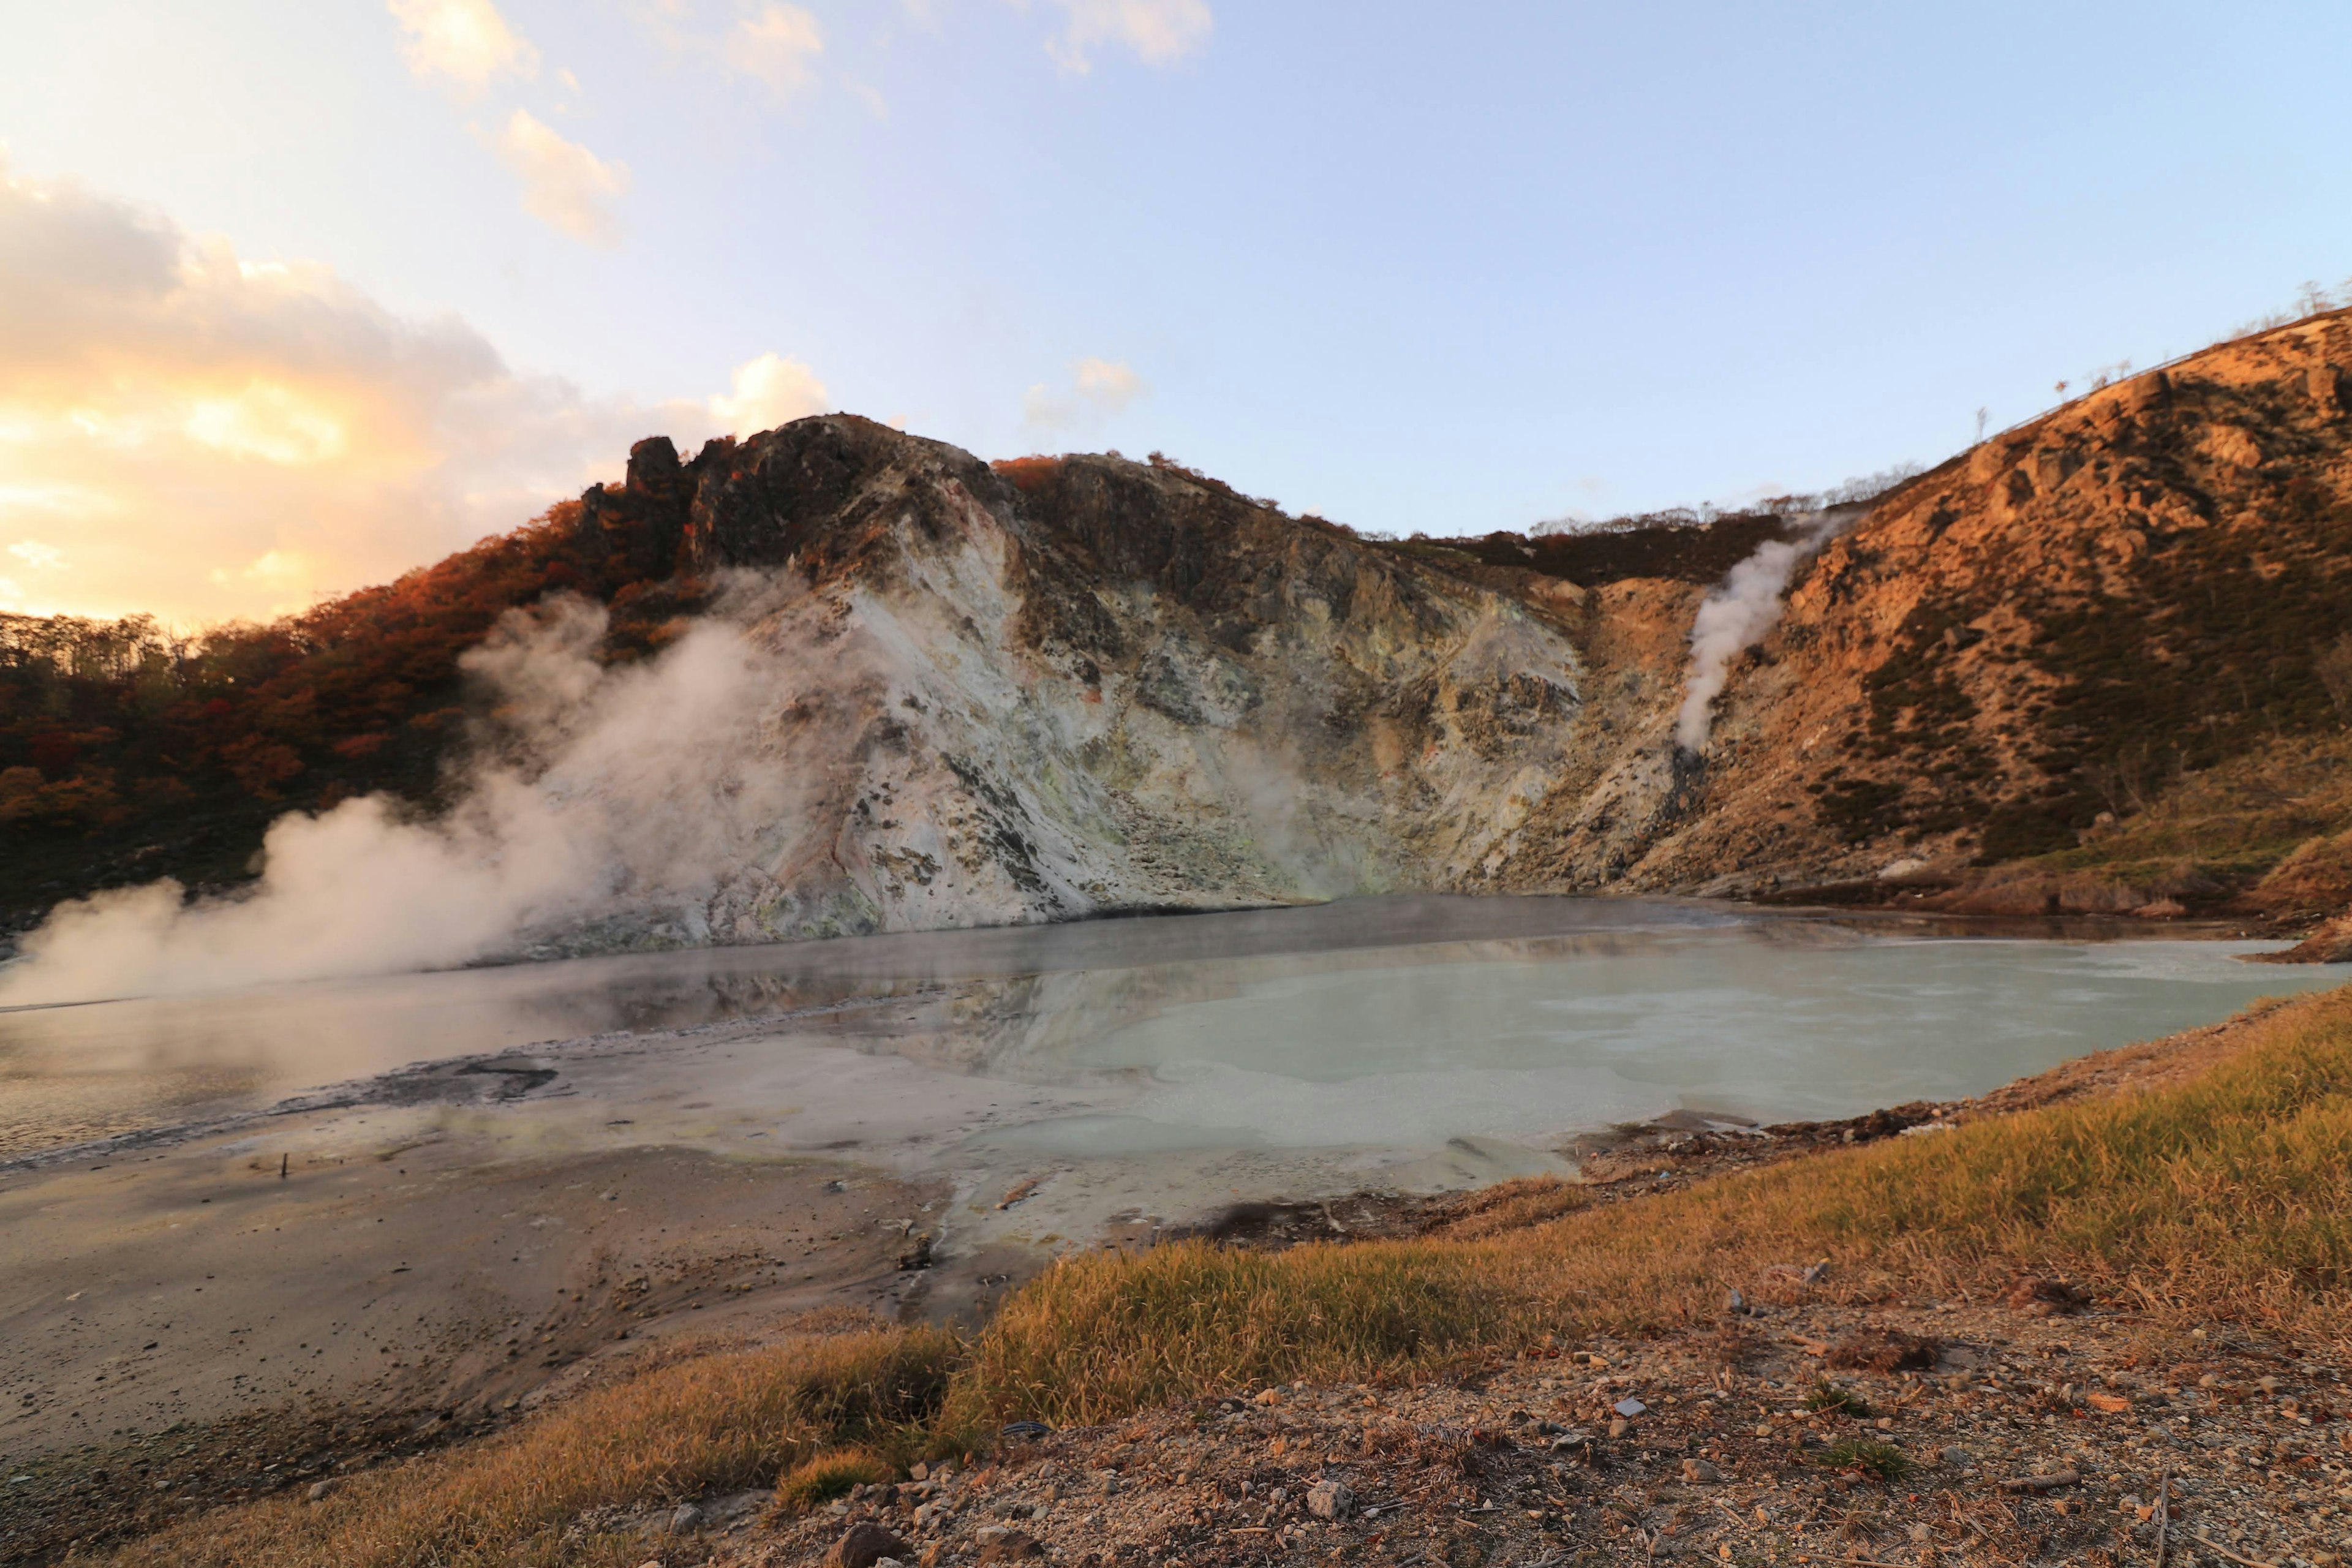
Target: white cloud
770 391
201 436
1160 32
465 40
564 184
1099 389
1109 385
776 47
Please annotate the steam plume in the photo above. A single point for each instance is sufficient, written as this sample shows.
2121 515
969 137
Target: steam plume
606 789
1736 615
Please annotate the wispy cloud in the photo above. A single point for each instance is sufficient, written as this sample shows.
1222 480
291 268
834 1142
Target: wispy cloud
1098 389
564 184
777 47
1158 32
465 41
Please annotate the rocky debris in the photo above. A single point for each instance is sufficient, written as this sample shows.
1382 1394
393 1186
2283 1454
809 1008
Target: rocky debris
1877 1348
1331 1499
2045 1297
1995 1454
2331 943
1000 1545
862 1545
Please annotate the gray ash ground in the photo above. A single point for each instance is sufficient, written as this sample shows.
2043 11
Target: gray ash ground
2026 1437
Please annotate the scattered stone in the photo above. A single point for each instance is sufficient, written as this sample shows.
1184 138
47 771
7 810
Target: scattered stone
1009 1546
683 1519
321 1491
866 1544
1329 1499
1629 1407
1699 1470
1884 1350
2042 1296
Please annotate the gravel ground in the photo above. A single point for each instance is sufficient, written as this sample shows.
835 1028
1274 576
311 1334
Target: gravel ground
2017 1436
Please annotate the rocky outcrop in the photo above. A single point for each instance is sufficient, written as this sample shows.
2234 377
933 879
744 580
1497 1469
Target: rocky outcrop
1092 685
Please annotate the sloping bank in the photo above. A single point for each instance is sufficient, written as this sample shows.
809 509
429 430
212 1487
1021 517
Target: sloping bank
2222 1195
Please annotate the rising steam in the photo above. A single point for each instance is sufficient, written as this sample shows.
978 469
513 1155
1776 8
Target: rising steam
600 788
1738 614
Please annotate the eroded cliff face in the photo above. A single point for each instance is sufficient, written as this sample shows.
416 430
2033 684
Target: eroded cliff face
1113 686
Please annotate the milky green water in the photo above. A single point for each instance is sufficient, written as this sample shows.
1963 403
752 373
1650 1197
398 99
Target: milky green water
1395 1023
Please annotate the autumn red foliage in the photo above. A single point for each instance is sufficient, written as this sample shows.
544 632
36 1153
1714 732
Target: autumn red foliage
129 751
1028 475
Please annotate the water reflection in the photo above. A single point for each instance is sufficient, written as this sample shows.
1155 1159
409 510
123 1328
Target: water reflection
1388 1021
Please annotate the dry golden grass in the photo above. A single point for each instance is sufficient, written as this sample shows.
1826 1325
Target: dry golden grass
716 1423
1514 1204
2228 1196
819 1480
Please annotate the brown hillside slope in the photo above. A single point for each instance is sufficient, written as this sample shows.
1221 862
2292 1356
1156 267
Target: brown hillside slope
2062 627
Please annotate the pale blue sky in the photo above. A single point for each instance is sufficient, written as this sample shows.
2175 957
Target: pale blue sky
1450 269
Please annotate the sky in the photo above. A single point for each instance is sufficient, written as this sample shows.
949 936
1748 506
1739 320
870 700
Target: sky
297 294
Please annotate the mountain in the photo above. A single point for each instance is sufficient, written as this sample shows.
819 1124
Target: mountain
2101 662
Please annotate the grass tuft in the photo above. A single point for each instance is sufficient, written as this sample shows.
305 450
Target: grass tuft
815 1482
1830 1397
1863 1455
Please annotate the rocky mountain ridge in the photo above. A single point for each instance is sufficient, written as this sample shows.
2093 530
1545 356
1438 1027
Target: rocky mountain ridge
1087 684
2046 676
